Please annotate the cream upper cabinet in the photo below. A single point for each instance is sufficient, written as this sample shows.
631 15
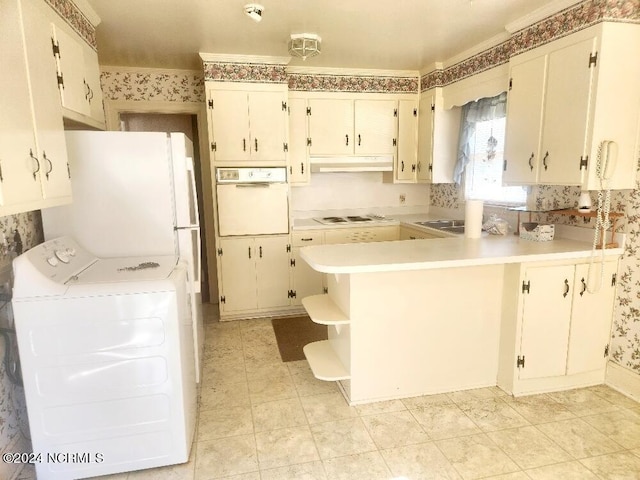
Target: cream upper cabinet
330 126
343 126
248 125
298 148
568 97
78 76
376 127
438 133
425 137
407 158
566 109
524 120
33 157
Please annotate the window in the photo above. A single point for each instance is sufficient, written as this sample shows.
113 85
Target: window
483 178
480 152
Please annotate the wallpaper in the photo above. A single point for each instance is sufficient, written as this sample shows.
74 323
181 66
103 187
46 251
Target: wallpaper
352 83
13 413
152 85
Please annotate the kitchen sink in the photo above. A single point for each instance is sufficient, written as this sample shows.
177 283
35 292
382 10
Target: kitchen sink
451 226
453 229
442 223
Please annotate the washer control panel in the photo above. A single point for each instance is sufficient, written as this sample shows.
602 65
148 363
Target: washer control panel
53 262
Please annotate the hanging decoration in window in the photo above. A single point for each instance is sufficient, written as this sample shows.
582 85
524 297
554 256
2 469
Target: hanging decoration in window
492 143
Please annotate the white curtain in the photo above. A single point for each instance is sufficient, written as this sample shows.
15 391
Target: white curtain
472 112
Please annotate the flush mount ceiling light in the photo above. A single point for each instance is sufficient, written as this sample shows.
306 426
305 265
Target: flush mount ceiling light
304 45
254 11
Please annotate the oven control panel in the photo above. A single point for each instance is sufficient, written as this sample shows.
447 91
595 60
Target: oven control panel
251 175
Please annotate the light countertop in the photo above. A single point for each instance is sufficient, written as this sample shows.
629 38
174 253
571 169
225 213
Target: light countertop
441 253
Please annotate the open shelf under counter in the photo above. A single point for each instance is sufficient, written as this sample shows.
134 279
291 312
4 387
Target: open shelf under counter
324 311
324 362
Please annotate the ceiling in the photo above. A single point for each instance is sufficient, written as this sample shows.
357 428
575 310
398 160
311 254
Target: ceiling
379 34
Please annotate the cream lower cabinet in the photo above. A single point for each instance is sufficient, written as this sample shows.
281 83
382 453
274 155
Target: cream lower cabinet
360 234
408 233
305 280
559 329
254 273
33 156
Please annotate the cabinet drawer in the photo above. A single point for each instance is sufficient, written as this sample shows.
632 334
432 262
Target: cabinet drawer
302 239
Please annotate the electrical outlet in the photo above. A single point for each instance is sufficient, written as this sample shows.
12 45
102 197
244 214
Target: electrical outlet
403 198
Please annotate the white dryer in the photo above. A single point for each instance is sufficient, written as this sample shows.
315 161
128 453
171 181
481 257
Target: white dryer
106 350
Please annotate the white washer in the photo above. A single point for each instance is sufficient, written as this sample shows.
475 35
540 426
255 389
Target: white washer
106 349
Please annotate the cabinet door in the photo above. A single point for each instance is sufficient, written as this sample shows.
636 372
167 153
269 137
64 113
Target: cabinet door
267 125
230 125
306 280
331 127
566 112
524 121
545 321
272 269
298 158
591 317
52 148
74 91
406 159
376 126
425 137
92 76
238 275
17 183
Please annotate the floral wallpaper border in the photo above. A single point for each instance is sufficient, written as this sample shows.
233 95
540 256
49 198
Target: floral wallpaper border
570 20
244 72
352 83
152 86
71 14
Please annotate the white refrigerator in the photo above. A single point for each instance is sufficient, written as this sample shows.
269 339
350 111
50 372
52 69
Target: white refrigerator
134 194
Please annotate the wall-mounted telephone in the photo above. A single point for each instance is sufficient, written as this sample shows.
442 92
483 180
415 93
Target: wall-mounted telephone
606 161
605 166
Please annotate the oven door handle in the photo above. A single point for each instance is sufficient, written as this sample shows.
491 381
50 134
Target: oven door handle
253 185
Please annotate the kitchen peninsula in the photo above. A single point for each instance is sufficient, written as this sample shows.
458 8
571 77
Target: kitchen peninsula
415 317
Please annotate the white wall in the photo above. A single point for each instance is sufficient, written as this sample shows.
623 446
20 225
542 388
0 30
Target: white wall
357 191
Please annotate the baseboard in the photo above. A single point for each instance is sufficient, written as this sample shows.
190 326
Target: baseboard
623 380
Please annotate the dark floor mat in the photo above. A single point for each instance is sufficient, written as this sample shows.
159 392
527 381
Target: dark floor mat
293 333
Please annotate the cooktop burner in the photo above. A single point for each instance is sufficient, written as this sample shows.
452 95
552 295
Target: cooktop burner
350 219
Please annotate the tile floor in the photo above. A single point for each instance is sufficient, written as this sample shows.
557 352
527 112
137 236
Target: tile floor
261 419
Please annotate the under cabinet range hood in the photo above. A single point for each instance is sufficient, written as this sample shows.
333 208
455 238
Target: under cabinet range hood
351 164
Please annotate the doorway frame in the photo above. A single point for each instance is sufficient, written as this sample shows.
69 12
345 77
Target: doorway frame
112 111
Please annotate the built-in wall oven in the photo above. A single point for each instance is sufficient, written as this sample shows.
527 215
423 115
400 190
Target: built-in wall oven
252 201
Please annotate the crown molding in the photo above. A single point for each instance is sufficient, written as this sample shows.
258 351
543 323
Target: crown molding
247 59
362 72
541 13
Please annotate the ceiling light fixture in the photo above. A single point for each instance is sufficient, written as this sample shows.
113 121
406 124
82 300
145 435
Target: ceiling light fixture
304 45
254 11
